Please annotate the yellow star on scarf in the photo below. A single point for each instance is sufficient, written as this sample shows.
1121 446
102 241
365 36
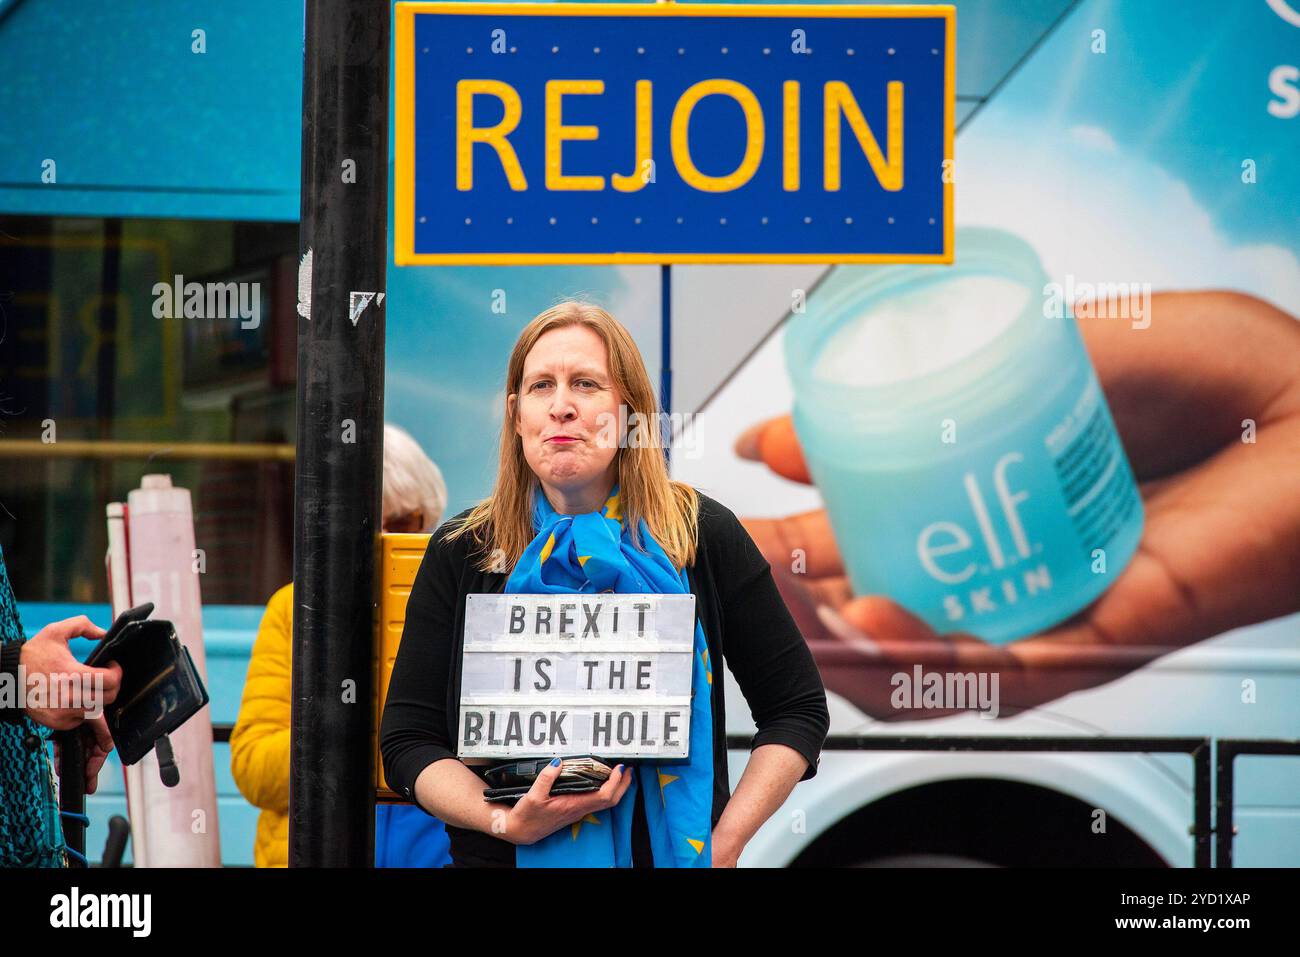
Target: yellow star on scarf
546 549
704 658
698 845
582 559
664 781
614 508
589 819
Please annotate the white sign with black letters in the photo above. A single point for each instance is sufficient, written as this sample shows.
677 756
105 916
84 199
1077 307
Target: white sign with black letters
601 674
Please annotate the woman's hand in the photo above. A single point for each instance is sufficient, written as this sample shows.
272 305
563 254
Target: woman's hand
538 814
722 855
1207 404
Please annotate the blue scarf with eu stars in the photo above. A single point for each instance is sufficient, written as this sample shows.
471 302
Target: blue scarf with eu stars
593 553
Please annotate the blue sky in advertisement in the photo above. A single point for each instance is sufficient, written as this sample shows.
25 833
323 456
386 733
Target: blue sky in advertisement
1184 86
1167 157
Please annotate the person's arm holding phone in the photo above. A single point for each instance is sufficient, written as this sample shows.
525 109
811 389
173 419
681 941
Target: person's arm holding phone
46 654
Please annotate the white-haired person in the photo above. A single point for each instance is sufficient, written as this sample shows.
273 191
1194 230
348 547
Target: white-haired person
414 499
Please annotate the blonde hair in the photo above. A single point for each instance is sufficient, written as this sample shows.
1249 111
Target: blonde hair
502 523
412 481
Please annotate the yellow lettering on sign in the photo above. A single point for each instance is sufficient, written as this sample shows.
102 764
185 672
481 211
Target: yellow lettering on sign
557 133
467 134
97 337
46 302
753 135
839 98
637 179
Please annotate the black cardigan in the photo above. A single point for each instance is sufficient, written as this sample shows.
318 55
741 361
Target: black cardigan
746 624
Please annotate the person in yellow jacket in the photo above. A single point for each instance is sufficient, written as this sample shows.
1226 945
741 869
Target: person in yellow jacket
414 499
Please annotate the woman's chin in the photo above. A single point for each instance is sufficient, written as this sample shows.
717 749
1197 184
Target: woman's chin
566 471
569 471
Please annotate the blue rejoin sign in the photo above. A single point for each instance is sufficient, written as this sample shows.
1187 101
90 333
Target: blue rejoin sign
543 133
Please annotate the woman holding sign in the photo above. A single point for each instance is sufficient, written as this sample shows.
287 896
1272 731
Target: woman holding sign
583 506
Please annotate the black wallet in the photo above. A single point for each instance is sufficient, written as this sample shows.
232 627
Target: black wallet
513 779
161 689
512 794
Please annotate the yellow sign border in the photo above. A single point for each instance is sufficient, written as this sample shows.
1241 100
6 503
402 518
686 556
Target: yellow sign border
404 108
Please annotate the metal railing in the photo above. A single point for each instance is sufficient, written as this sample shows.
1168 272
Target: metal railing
108 449
1197 748
1207 778
1225 753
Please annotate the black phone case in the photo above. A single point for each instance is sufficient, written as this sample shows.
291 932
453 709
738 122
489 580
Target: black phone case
161 689
103 652
522 773
513 794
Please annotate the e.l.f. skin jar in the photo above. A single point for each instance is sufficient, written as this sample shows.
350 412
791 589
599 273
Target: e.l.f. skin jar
960 440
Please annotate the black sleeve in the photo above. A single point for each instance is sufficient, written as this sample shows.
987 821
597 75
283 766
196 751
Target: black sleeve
765 650
415 731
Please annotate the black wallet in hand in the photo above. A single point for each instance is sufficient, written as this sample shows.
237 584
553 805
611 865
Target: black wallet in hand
513 779
161 688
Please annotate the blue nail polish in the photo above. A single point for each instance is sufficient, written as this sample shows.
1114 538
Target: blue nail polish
555 763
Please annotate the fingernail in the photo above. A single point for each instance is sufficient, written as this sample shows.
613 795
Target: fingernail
555 763
847 633
620 769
